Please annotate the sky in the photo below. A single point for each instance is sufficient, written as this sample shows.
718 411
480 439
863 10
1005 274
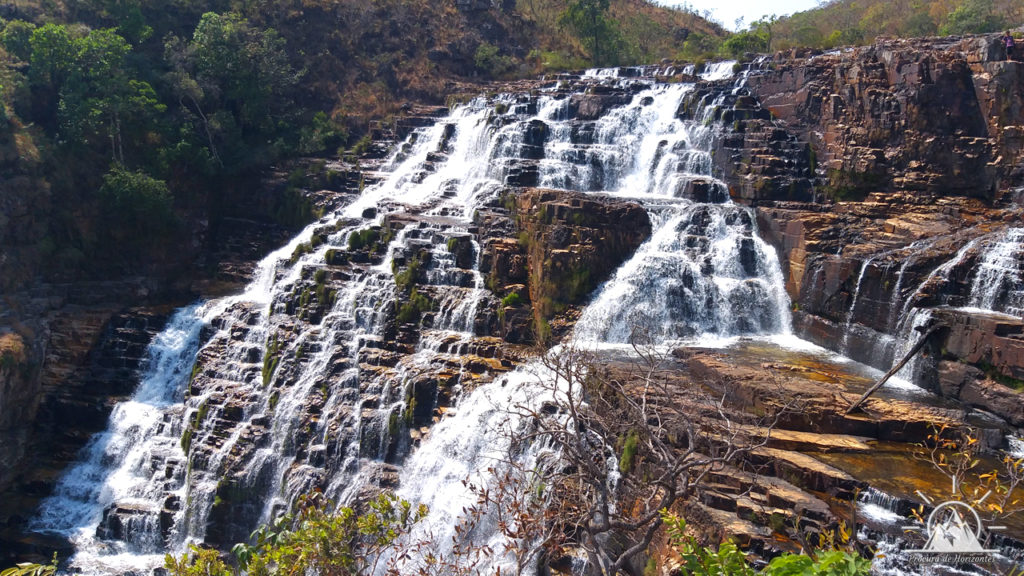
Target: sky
727 11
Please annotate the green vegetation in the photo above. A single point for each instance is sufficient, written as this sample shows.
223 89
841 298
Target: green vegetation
729 560
167 113
411 310
30 569
406 278
994 373
851 22
490 62
590 21
271 358
195 422
607 32
363 238
511 299
629 448
316 540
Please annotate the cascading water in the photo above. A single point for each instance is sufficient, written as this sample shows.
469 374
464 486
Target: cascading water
297 397
135 463
704 271
999 280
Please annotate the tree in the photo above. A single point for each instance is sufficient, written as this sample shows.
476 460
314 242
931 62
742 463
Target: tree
17 39
51 56
239 83
589 20
625 453
748 41
137 211
127 15
973 17
100 97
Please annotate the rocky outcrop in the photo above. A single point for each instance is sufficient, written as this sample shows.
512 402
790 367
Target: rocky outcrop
565 245
817 460
938 116
53 399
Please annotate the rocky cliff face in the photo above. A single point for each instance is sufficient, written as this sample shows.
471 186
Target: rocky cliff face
884 175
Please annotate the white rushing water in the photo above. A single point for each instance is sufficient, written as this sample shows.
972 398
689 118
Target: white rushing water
999 277
132 461
704 272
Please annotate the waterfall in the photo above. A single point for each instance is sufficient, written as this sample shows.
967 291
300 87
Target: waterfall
853 305
999 278
704 271
300 385
137 463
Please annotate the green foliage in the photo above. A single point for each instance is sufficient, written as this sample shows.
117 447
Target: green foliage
363 238
629 449
323 133
700 47
86 84
651 568
490 62
996 374
589 20
512 299
847 22
845 186
973 17
578 285
828 563
729 560
236 82
271 358
315 540
405 279
16 38
30 569
745 42
411 310
363 145
137 210
198 562
52 54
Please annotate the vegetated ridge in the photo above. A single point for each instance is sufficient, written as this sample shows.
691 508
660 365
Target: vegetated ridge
129 130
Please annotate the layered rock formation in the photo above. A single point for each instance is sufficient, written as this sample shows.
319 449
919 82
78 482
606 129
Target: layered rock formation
884 175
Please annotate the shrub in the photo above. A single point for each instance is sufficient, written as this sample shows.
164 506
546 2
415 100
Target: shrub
363 238
629 448
513 299
490 62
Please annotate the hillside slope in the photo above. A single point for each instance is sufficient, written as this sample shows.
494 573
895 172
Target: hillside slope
846 22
